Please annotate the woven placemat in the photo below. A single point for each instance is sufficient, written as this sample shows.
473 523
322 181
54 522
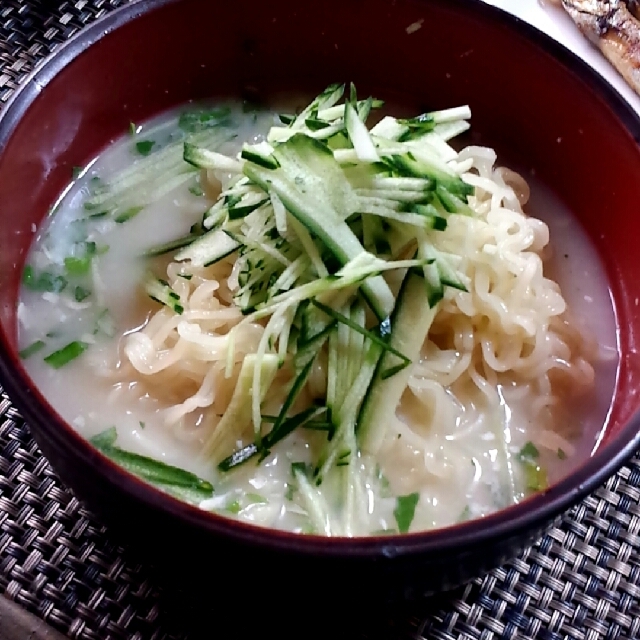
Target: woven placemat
581 581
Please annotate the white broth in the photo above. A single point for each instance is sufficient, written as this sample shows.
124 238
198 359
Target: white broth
468 459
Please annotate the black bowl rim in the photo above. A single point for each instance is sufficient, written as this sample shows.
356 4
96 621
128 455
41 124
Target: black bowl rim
511 521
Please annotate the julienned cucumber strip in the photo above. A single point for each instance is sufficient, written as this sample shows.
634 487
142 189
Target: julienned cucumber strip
161 291
208 249
237 417
410 324
356 272
359 135
323 101
292 396
332 313
206 159
172 245
343 416
257 156
288 426
298 212
306 165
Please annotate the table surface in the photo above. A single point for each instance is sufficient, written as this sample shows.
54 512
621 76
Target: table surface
61 574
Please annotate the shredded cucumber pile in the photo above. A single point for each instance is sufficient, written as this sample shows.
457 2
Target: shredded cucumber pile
319 215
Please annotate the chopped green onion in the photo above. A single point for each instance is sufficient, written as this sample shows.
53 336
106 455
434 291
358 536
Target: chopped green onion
45 281
65 355
34 347
77 266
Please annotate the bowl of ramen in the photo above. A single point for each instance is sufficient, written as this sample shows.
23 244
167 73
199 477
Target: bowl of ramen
273 292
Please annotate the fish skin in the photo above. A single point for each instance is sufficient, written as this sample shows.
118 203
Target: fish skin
614 27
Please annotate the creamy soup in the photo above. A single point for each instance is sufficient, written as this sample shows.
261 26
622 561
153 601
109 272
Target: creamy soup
508 392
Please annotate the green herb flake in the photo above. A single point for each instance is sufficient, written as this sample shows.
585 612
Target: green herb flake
80 293
233 507
561 454
405 511
133 128
63 356
256 498
75 172
142 424
34 347
45 281
196 190
144 147
528 452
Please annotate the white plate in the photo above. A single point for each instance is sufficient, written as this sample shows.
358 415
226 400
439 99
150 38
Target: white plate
553 20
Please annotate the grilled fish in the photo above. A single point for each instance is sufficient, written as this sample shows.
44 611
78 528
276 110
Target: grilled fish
614 27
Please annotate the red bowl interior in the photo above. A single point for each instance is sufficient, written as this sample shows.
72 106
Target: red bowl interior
561 120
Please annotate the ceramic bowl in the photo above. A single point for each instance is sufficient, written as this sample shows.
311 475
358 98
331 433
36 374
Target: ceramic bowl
529 96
